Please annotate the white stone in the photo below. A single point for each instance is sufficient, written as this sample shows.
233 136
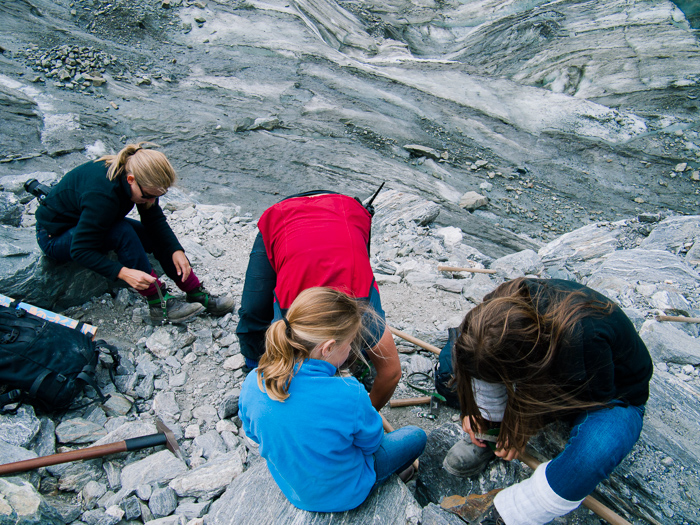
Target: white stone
192 431
472 200
161 343
450 234
234 362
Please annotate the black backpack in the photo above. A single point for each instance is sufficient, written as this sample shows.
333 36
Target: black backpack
46 363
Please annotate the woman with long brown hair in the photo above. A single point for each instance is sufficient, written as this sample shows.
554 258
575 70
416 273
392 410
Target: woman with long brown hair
534 351
84 217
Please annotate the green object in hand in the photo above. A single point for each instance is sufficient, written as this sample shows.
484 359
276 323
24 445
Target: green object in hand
492 432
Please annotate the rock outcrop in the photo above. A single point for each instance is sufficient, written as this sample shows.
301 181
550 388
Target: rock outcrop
190 377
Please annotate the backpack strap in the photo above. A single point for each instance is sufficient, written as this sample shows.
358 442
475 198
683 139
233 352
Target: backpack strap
37 383
87 377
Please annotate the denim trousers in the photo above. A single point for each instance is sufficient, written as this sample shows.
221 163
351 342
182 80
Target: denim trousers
128 238
598 442
398 450
256 311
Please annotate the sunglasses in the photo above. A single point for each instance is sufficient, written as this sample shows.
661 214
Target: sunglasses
148 196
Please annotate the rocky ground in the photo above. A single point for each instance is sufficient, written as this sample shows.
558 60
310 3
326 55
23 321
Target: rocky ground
498 128
190 376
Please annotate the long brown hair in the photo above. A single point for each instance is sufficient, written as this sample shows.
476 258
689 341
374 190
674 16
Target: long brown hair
513 339
317 315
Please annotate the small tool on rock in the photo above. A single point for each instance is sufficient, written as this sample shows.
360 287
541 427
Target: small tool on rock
165 437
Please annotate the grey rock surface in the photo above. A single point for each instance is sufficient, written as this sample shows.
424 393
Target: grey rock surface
20 429
390 504
27 275
23 505
669 344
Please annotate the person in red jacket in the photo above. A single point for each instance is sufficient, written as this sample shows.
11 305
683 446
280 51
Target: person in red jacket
84 217
310 240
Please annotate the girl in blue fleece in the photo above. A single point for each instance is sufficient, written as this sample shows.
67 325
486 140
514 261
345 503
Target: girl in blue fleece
322 439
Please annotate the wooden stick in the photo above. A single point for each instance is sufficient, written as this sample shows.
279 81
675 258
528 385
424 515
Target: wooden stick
442 268
388 428
589 502
678 319
417 342
409 402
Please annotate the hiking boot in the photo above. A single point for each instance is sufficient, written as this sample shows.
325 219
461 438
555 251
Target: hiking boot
465 459
176 311
215 305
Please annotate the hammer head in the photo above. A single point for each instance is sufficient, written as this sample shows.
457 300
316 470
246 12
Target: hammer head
170 441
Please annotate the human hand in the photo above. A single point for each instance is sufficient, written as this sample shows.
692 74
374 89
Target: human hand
507 453
467 426
182 264
136 278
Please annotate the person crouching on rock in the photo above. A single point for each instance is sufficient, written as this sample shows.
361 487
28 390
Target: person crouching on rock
319 238
317 429
84 217
537 350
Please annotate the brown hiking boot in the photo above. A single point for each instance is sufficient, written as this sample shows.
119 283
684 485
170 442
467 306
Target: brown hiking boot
165 308
215 305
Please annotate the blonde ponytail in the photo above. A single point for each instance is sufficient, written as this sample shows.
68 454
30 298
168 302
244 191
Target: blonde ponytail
150 168
317 315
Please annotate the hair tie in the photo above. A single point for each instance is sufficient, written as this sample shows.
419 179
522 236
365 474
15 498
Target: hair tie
289 327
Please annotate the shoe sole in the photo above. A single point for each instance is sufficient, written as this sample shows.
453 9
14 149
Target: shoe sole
216 313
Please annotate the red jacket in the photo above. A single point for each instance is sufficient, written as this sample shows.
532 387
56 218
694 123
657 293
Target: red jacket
318 240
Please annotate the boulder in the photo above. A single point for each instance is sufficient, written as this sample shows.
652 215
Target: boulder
526 262
390 504
395 206
624 269
666 343
209 480
27 275
671 234
589 243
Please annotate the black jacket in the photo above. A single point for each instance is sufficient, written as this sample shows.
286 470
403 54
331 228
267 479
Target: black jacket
604 354
87 200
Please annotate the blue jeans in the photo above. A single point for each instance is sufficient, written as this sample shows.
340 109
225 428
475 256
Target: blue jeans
398 450
598 442
128 238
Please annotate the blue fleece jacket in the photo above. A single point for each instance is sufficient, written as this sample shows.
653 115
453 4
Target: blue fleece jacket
319 442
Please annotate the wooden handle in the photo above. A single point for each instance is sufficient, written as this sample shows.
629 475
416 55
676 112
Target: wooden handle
677 319
388 428
409 402
442 268
417 342
589 502
65 457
